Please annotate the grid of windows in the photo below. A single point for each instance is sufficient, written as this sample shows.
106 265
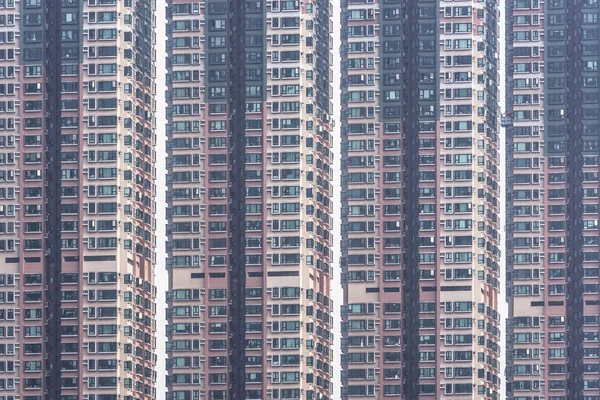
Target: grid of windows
546 178
284 208
458 190
103 219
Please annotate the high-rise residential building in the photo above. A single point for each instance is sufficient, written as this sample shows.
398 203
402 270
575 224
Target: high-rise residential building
420 199
77 200
552 120
249 201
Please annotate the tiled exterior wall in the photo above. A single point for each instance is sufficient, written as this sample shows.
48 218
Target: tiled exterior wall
552 200
250 169
424 73
77 102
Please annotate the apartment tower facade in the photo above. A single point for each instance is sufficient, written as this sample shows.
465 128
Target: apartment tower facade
420 208
77 309
552 145
249 203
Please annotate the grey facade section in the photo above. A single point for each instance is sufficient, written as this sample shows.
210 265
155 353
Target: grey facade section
323 42
35 31
143 51
576 135
239 21
410 175
33 19
52 53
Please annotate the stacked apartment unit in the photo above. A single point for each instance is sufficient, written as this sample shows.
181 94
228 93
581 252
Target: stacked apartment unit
420 208
249 200
77 200
552 199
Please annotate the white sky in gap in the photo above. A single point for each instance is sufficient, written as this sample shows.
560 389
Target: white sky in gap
160 278
336 288
503 306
